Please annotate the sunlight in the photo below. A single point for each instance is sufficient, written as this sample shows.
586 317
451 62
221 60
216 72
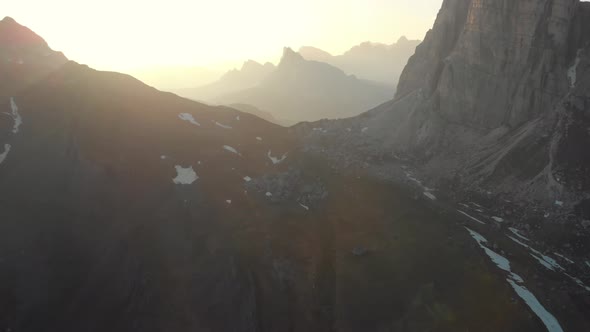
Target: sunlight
122 35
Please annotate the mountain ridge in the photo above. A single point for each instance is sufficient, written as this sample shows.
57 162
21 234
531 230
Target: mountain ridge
298 89
372 61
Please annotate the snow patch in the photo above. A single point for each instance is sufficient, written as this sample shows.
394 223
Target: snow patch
516 282
429 195
268 194
163 157
559 203
184 175
498 219
304 206
230 149
222 125
247 178
188 117
547 318
321 130
276 160
4 154
564 258
228 201
412 178
579 282
471 217
499 260
364 130
238 118
18 120
543 262
259 138
546 261
517 233
519 242
572 71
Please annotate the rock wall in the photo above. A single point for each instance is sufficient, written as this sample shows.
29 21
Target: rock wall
498 94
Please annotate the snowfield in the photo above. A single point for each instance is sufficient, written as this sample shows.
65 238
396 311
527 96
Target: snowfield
276 160
184 175
4 154
516 282
188 117
230 149
18 120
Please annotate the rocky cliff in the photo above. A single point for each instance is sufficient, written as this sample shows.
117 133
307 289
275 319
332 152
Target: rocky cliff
496 99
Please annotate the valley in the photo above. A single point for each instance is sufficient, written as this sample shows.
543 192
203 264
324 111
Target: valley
316 200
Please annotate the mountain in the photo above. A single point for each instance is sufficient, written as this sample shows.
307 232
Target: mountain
372 61
249 76
124 208
302 90
24 56
490 108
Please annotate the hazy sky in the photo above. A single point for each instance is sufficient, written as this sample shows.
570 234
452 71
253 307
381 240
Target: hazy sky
124 34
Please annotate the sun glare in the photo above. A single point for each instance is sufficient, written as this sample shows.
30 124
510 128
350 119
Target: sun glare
121 35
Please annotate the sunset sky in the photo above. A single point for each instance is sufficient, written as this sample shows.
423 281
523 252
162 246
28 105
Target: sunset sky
124 34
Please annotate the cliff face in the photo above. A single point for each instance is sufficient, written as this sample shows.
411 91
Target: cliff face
498 96
494 63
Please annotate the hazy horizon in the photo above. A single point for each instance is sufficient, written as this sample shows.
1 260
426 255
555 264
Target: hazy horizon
181 33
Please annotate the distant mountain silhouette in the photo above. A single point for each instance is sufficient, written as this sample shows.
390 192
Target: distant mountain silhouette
250 75
372 61
297 90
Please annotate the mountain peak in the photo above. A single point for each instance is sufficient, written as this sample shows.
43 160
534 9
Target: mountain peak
14 34
290 57
251 65
402 39
8 19
20 46
314 53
